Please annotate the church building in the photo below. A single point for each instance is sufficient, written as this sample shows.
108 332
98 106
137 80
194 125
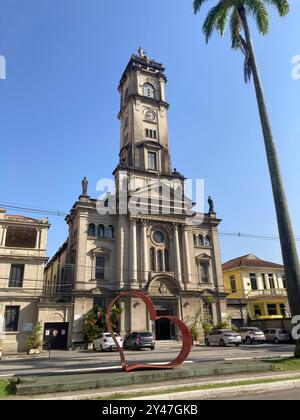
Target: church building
145 236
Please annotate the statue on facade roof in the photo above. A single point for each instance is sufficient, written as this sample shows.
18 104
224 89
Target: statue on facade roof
85 184
211 205
142 53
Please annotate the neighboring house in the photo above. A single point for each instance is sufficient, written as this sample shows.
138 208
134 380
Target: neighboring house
23 243
170 254
256 289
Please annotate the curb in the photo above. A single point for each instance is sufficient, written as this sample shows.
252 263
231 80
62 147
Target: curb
232 392
108 394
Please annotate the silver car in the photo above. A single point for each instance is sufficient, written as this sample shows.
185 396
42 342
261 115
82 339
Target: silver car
223 338
251 335
277 335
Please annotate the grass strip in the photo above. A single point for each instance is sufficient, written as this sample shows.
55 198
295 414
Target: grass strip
7 387
125 396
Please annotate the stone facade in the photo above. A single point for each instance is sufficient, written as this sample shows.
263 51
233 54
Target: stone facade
22 260
158 246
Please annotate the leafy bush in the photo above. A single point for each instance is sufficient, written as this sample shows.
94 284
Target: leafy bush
35 340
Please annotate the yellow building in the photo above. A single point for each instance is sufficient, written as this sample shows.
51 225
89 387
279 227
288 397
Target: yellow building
256 289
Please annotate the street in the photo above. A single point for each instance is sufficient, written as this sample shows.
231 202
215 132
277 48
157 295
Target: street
85 361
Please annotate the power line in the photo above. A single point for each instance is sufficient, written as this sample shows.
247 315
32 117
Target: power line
59 213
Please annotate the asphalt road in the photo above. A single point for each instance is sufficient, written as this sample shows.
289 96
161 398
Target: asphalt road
86 361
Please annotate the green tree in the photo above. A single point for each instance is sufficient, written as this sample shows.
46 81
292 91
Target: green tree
35 340
95 323
237 12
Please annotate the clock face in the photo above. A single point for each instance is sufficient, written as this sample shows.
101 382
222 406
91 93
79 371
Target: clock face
150 116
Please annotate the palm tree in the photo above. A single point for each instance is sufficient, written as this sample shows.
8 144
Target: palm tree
237 11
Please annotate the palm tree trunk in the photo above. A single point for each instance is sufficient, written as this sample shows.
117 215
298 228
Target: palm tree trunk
287 239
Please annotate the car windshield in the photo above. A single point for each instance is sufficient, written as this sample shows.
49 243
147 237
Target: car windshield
107 335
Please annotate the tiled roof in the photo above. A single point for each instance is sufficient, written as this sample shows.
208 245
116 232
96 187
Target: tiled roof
249 260
19 218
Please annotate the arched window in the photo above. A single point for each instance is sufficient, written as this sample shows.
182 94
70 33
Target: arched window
200 240
92 230
110 232
149 90
100 231
153 259
195 240
167 262
207 241
160 261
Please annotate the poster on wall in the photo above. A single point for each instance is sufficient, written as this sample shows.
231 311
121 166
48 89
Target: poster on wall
27 326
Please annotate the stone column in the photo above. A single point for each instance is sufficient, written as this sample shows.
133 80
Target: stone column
145 252
177 253
187 258
133 251
4 232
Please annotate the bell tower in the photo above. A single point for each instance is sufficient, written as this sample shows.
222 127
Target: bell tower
144 142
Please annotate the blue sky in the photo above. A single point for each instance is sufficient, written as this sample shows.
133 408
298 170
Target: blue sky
59 105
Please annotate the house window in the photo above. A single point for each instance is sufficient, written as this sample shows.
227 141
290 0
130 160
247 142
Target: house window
167 261
16 276
11 318
100 268
204 272
283 310
264 281
233 284
148 90
160 261
110 232
257 311
100 231
152 161
272 310
284 281
207 311
153 259
150 134
200 240
207 241
272 281
92 230
253 281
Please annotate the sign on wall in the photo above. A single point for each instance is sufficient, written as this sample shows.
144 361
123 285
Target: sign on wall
27 326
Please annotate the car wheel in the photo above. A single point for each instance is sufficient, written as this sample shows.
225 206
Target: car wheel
237 345
152 348
249 340
207 342
276 341
222 343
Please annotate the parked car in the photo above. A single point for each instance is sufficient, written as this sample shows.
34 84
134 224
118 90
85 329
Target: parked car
105 342
277 335
139 340
223 338
251 335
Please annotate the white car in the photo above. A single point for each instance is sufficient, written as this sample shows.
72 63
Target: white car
105 342
252 335
223 338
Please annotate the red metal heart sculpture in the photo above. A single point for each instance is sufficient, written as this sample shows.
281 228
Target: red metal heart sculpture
186 336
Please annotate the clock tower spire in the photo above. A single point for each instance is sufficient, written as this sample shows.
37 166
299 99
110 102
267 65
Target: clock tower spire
144 143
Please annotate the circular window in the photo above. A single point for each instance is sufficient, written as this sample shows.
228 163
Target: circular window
158 237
